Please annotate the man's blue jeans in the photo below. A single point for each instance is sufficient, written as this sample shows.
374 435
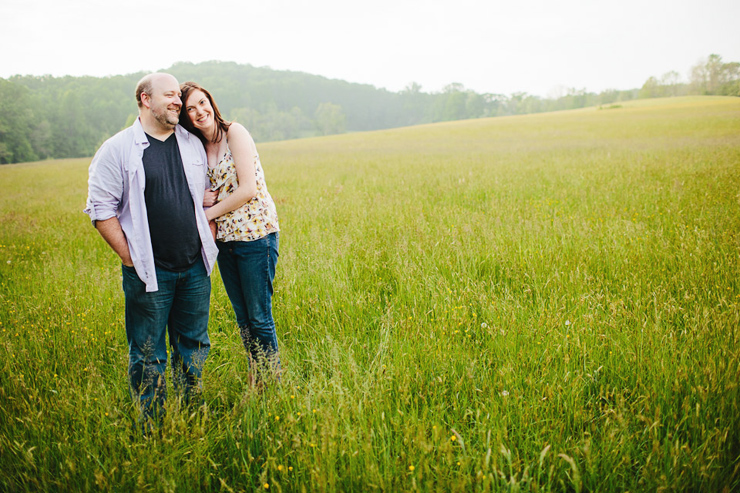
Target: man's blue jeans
248 269
180 308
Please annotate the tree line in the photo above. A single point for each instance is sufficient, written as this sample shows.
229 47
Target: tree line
45 117
711 77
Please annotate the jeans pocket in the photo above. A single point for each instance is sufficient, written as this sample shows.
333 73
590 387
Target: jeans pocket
129 278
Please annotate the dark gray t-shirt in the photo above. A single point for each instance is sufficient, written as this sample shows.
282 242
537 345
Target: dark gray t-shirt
169 206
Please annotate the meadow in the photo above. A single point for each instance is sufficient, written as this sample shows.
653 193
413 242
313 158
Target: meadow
535 303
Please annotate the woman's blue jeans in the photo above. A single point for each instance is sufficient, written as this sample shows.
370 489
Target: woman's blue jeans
248 269
180 308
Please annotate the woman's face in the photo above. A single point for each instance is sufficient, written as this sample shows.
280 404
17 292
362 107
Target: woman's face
199 110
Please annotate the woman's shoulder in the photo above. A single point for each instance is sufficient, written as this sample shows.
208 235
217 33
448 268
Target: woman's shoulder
239 137
237 131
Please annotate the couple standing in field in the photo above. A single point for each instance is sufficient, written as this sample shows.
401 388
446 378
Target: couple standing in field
177 190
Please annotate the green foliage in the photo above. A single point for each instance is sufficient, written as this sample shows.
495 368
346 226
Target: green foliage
15 124
47 117
540 303
72 116
650 89
709 77
330 119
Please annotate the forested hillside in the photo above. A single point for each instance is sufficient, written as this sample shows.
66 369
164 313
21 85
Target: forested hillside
59 117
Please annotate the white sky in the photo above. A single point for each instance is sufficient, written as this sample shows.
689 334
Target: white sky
498 46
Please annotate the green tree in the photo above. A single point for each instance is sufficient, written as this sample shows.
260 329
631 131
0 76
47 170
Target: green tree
451 104
671 84
731 80
330 119
15 124
715 77
650 89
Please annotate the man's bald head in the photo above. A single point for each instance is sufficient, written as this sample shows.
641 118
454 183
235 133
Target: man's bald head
146 84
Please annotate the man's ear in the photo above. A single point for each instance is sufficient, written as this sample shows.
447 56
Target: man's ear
146 100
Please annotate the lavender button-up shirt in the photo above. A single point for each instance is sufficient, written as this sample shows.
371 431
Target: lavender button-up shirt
116 189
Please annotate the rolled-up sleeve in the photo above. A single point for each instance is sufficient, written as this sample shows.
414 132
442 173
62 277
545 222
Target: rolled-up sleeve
105 185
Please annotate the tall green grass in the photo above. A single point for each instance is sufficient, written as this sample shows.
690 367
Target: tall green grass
537 303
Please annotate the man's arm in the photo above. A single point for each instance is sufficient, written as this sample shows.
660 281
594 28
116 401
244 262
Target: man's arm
110 230
105 192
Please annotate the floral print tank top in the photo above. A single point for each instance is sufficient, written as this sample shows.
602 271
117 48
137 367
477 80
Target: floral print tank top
255 219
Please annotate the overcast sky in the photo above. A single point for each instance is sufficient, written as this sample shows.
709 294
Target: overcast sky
537 46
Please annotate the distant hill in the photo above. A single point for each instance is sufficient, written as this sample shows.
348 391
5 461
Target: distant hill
59 117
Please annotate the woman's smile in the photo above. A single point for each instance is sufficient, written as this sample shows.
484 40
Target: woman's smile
200 111
203 118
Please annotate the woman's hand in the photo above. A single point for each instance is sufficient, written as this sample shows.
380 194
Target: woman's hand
210 198
214 228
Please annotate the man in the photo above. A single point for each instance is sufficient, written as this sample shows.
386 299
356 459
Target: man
145 197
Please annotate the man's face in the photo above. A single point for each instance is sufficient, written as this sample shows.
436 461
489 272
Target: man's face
164 102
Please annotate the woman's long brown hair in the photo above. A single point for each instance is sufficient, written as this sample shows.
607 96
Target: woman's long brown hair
222 126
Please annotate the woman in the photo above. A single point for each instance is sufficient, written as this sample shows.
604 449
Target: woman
246 219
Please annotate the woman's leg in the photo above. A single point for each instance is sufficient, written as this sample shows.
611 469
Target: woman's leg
248 270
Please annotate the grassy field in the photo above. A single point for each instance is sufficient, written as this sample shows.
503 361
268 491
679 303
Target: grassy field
535 303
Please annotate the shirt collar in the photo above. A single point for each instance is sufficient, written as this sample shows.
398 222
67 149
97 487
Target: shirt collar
181 132
140 135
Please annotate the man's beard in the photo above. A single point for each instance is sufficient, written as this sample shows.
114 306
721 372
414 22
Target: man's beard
166 119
